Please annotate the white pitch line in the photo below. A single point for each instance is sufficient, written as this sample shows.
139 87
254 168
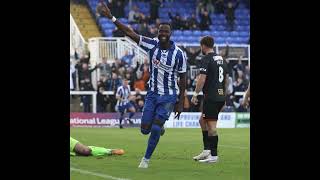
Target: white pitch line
96 174
235 147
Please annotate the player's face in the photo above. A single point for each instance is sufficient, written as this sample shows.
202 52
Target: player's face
164 33
125 83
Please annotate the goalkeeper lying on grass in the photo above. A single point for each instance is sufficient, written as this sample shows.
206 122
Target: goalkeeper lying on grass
76 148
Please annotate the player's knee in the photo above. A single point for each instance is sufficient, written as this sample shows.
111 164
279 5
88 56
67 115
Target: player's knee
212 132
156 128
145 131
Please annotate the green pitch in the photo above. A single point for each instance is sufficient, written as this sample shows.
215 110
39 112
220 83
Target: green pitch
172 160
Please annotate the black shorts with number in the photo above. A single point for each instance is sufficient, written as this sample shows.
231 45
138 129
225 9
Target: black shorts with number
211 109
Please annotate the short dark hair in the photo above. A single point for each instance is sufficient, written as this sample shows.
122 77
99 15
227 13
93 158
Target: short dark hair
207 41
165 23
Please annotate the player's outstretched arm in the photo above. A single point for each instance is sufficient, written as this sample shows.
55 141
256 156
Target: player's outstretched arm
129 32
200 83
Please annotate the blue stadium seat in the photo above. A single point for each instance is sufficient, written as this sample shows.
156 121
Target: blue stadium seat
180 38
224 34
220 40
103 20
216 34
234 34
123 20
244 34
174 38
221 16
237 40
205 33
229 40
220 28
244 22
219 22
187 33
108 32
244 40
196 33
247 28
177 32
240 28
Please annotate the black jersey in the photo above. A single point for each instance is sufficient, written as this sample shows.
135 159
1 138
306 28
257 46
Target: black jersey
216 69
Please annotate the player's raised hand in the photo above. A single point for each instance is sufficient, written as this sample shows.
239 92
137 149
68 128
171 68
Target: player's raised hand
106 11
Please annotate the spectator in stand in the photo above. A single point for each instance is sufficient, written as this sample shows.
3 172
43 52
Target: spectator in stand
118 8
144 29
192 56
84 72
153 32
192 22
105 68
86 85
140 105
157 24
102 81
230 17
154 9
72 71
247 72
102 100
219 7
238 67
241 107
205 21
189 85
239 86
176 22
128 77
99 10
112 85
209 6
200 7
134 15
143 19
127 58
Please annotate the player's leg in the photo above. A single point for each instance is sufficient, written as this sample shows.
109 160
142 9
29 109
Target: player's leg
77 148
211 118
101 151
164 107
132 111
203 124
148 113
121 111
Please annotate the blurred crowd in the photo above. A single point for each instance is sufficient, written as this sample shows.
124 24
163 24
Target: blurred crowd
112 74
148 25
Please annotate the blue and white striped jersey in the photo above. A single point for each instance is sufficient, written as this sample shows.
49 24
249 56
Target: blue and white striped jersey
164 66
123 93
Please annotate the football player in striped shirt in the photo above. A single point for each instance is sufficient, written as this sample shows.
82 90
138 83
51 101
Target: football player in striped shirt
167 64
123 103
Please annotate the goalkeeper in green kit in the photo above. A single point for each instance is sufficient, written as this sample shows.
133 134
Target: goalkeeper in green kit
76 148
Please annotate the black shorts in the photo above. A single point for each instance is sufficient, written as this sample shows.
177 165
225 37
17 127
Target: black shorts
211 109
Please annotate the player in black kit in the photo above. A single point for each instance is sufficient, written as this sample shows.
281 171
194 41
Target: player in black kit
213 82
